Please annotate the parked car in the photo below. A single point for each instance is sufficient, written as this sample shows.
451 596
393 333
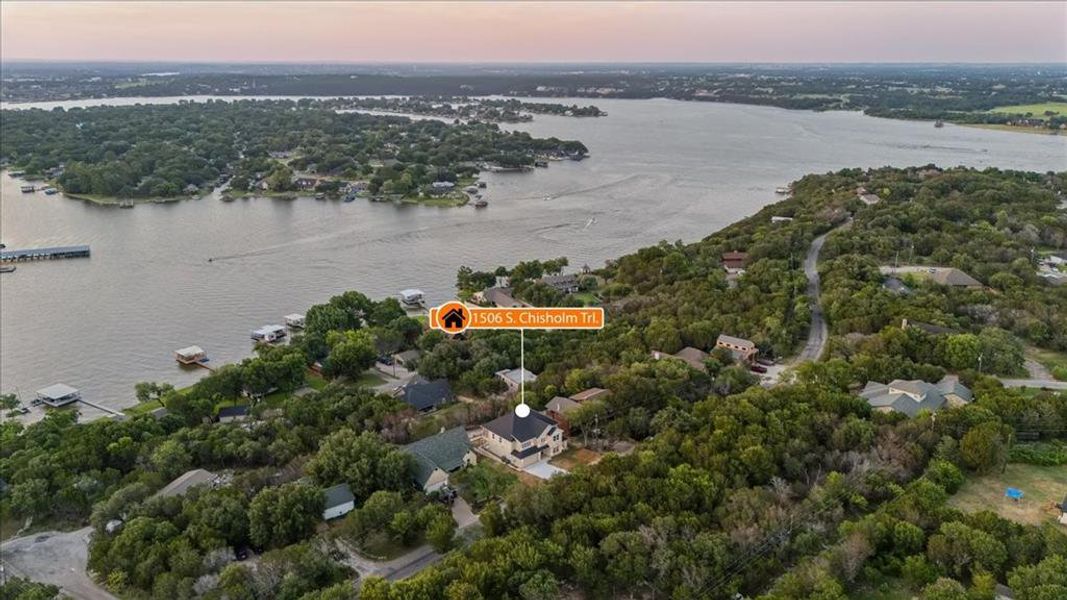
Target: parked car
755 368
386 360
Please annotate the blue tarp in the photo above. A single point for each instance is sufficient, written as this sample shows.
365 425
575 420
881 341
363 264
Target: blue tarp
1013 493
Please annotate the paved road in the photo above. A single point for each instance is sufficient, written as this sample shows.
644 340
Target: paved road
1035 383
819 332
54 557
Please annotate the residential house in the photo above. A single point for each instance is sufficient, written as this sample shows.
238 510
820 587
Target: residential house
558 408
407 358
912 396
694 357
869 199
501 297
514 377
564 284
523 441
339 501
426 396
231 414
159 413
590 394
949 276
439 455
441 187
743 350
186 481
305 183
734 262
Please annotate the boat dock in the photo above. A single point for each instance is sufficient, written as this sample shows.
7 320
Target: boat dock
100 407
50 253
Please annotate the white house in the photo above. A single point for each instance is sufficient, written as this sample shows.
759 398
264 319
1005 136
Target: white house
514 377
339 501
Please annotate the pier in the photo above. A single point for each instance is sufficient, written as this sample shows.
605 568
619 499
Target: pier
100 407
50 253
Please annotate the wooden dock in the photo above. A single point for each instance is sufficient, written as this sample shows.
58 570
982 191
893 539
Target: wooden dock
51 253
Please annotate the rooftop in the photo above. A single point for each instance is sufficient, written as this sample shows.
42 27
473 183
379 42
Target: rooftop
562 405
516 376
421 394
233 411
57 391
338 495
520 429
589 394
185 481
736 341
443 451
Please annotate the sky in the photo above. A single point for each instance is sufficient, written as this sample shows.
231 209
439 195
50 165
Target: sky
218 31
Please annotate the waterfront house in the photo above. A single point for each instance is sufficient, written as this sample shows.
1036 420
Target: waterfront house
232 414
742 350
339 501
440 187
186 481
437 456
522 441
734 262
58 395
564 284
911 396
501 297
190 355
514 377
305 183
426 396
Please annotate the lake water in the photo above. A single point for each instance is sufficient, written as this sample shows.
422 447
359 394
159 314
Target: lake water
659 170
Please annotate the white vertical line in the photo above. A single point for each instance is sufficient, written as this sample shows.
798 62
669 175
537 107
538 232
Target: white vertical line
522 366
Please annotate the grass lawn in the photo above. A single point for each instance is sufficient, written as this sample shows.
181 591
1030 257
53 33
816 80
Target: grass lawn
1037 111
1013 128
384 547
1042 486
587 298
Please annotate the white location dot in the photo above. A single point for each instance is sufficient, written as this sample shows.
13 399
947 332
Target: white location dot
522 410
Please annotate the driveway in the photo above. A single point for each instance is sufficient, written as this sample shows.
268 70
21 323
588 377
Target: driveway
543 470
54 557
819 332
1047 384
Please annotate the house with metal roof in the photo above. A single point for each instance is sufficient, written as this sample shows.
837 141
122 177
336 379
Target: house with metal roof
523 441
339 501
913 396
58 395
439 455
426 396
514 377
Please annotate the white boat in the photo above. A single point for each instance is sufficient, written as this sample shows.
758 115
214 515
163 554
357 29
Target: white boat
269 333
411 297
294 321
782 190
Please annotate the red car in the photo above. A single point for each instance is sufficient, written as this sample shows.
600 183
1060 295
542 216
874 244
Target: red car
757 368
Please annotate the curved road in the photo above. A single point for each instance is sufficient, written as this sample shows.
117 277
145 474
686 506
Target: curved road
819 332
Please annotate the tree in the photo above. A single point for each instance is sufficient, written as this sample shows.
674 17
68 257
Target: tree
944 589
351 353
363 461
983 447
279 516
440 531
8 401
148 391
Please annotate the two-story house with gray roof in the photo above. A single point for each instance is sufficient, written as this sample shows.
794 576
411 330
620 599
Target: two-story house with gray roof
523 441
